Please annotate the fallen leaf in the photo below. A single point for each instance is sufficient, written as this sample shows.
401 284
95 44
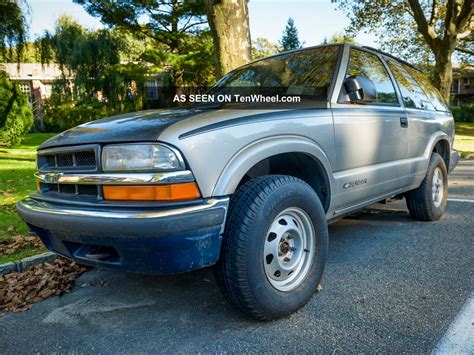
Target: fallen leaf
19 290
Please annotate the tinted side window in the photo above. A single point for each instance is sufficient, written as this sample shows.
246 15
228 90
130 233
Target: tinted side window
433 93
369 65
413 95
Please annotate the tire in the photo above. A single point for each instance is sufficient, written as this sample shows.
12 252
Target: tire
424 203
261 286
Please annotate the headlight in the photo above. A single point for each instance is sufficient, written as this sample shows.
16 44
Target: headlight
140 157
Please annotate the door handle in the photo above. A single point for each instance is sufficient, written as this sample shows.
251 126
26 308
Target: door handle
403 122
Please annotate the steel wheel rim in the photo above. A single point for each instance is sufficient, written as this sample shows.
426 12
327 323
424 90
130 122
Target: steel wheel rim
437 187
289 249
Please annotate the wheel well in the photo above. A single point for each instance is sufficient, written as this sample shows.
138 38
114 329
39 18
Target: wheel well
442 148
299 165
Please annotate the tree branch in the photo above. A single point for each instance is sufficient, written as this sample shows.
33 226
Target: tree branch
184 29
465 15
425 29
434 5
464 50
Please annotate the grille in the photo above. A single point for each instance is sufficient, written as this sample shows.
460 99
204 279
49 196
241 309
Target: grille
72 189
82 160
74 159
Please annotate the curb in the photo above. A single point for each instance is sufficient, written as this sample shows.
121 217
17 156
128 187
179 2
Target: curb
23 264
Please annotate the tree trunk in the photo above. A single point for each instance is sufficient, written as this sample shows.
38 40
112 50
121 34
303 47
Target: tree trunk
443 70
229 22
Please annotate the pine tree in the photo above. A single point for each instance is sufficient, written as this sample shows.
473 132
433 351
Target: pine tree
290 40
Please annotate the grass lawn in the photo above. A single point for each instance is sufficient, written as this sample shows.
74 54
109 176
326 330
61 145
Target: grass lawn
17 166
464 139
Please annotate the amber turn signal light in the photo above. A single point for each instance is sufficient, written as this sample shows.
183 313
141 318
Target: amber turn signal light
173 192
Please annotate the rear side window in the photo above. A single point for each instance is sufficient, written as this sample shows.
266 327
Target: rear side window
412 93
369 65
433 93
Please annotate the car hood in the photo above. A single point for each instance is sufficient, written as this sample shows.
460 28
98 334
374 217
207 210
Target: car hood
130 127
147 126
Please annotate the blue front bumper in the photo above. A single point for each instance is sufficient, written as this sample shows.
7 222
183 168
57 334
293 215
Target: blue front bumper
157 241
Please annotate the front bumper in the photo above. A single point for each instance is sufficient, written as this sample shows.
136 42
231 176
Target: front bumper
453 160
146 240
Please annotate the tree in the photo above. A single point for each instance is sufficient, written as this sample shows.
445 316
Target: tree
339 37
418 29
229 22
170 22
13 30
94 82
262 48
16 117
289 40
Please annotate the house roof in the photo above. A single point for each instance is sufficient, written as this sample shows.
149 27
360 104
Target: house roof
32 71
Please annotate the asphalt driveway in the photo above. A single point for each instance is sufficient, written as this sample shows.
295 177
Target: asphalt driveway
392 284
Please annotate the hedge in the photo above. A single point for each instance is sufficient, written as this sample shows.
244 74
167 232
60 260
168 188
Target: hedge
464 113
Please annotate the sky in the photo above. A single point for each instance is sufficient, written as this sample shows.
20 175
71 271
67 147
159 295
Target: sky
314 19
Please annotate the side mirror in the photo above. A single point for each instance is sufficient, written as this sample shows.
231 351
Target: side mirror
360 89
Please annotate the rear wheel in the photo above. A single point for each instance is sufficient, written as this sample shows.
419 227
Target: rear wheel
275 246
428 202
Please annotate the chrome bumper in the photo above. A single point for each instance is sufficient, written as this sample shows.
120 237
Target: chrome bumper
29 206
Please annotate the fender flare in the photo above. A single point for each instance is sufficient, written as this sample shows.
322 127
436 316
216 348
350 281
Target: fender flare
434 139
259 150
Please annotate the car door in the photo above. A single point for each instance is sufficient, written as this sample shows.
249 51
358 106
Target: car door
371 139
420 113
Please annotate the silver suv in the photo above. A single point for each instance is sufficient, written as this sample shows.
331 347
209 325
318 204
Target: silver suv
248 187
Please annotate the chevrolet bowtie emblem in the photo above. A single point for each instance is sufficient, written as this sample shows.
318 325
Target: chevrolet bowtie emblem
52 178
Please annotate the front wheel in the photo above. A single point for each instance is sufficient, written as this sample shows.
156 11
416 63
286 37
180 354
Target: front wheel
274 248
428 202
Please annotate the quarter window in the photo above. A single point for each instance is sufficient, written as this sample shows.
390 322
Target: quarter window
432 93
412 94
369 65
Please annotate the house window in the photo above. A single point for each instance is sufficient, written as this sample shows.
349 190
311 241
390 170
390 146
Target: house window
25 88
151 90
465 82
455 87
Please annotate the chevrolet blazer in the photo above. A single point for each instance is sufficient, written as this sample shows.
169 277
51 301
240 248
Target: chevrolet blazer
248 190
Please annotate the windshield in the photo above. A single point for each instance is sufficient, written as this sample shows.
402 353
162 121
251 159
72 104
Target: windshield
306 73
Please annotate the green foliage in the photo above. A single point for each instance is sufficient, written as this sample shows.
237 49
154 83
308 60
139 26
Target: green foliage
290 39
168 22
13 30
194 67
180 41
81 54
94 82
16 117
339 37
61 116
262 48
464 113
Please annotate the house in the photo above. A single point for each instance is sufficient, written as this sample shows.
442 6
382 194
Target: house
462 90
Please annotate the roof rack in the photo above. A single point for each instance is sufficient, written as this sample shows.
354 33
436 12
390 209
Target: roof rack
392 56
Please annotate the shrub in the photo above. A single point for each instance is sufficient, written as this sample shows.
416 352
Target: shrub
464 113
16 117
61 116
